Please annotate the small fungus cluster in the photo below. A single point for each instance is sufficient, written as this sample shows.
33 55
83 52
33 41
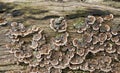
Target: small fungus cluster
98 48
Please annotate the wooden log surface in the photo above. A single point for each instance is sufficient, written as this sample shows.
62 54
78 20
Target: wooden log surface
39 14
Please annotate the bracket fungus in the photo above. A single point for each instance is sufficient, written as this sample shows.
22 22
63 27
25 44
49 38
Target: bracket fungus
90 19
96 48
61 39
58 25
109 17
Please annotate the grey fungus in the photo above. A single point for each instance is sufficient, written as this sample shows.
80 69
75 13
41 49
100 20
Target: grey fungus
58 25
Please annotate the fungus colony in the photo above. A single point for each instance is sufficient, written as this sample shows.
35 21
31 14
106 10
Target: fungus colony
97 50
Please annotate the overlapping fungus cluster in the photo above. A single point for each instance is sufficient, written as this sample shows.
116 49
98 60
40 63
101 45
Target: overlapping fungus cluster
100 39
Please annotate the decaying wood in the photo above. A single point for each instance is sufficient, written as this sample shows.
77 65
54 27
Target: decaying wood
71 10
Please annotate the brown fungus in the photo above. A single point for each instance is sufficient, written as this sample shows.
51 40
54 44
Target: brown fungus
115 39
99 20
61 39
102 37
77 59
90 19
109 17
104 63
58 25
110 48
92 65
45 49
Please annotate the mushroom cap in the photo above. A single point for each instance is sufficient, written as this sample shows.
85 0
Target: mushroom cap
95 40
115 38
81 51
34 44
77 59
92 65
90 19
87 37
109 17
61 40
96 26
58 25
38 36
109 35
74 66
105 28
102 37
45 49
99 20
110 48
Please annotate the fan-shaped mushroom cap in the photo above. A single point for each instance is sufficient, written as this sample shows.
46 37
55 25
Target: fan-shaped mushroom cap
102 37
77 59
117 43
105 28
96 48
109 35
79 42
99 20
45 49
96 26
92 65
63 63
58 25
90 19
61 40
109 17
34 44
115 38
74 66
104 63
95 40
115 29
110 48
87 37
38 36
81 51
82 29
55 57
